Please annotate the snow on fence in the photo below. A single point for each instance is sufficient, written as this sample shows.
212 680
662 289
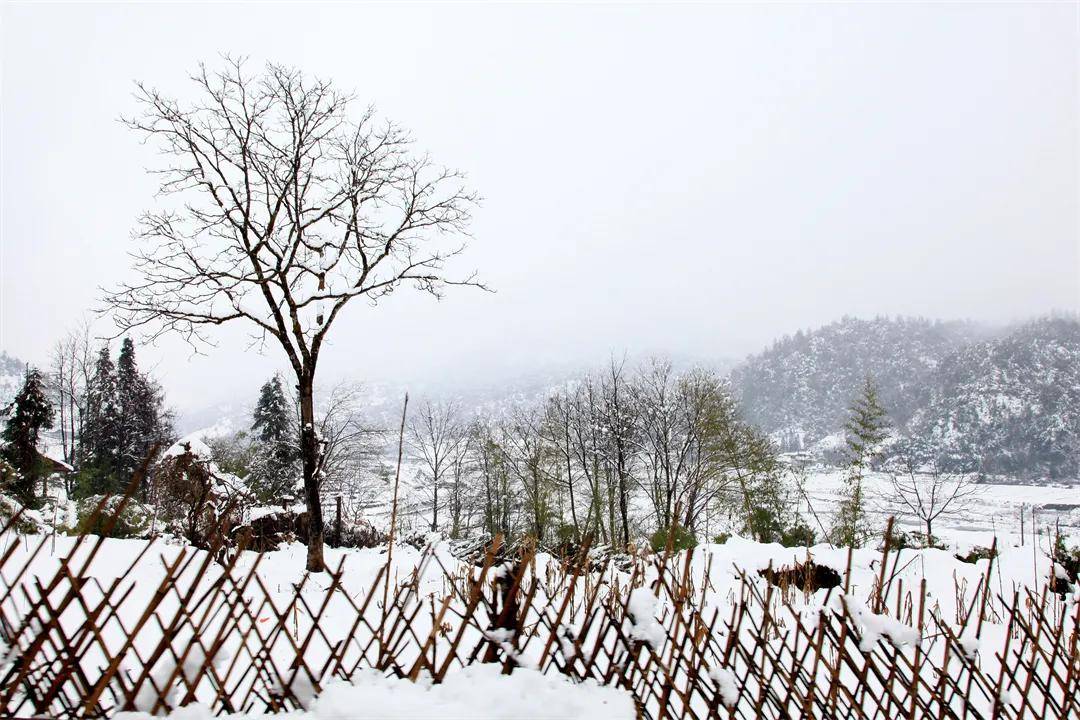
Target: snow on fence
206 627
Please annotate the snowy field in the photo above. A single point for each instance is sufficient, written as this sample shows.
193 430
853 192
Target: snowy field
994 509
477 692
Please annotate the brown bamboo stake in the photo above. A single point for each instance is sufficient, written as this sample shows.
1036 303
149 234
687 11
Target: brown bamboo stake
394 505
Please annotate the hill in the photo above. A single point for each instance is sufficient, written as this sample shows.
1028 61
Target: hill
1003 402
800 388
1008 405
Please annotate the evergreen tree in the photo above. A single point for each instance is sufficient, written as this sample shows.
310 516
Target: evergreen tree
125 417
275 468
142 419
99 441
866 429
29 414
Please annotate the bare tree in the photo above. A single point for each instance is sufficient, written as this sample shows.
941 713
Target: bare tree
286 210
680 416
437 436
529 460
589 444
69 375
351 446
463 494
926 495
557 428
619 421
488 457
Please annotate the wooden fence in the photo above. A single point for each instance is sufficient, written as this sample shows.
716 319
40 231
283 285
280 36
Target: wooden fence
209 629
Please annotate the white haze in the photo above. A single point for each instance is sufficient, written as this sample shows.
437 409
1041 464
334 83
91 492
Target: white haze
685 179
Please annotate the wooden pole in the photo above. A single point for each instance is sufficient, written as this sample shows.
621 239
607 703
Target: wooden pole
337 522
394 505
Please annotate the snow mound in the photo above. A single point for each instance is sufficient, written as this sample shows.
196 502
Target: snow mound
192 444
644 626
477 692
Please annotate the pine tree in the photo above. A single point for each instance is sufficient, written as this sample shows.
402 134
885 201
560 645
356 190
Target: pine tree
125 418
29 414
99 441
143 421
273 421
866 429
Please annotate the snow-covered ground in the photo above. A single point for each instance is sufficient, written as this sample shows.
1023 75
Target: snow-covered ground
477 692
993 511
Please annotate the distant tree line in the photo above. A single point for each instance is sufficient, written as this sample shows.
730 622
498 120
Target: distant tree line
109 417
613 457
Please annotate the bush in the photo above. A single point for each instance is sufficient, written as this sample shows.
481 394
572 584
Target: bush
808 576
360 534
567 541
681 539
1068 561
29 523
197 500
133 521
902 540
567 535
767 527
798 535
976 554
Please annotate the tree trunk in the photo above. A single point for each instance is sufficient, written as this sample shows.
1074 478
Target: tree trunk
624 512
435 505
309 454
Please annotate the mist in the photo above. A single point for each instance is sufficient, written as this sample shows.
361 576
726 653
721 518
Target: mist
690 180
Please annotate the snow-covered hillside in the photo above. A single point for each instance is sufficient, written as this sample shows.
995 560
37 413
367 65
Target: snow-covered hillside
12 373
995 402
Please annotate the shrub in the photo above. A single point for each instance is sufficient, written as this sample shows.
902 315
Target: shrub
808 576
197 499
798 535
567 541
767 527
133 521
567 535
29 523
976 554
1069 562
902 540
680 539
361 534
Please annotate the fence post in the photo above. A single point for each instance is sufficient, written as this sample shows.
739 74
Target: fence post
337 522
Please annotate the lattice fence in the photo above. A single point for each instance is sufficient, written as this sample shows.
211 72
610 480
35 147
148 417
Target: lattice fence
211 630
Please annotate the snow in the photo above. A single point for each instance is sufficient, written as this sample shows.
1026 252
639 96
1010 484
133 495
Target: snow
717 567
874 627
478 692
994 511
642 609
729 689
147 699
192 444
261 511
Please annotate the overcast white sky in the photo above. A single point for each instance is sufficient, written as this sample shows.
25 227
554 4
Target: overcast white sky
691 179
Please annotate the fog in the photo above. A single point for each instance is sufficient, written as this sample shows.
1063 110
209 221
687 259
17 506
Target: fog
694 180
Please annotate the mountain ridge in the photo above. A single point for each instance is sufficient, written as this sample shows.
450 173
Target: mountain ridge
974 399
